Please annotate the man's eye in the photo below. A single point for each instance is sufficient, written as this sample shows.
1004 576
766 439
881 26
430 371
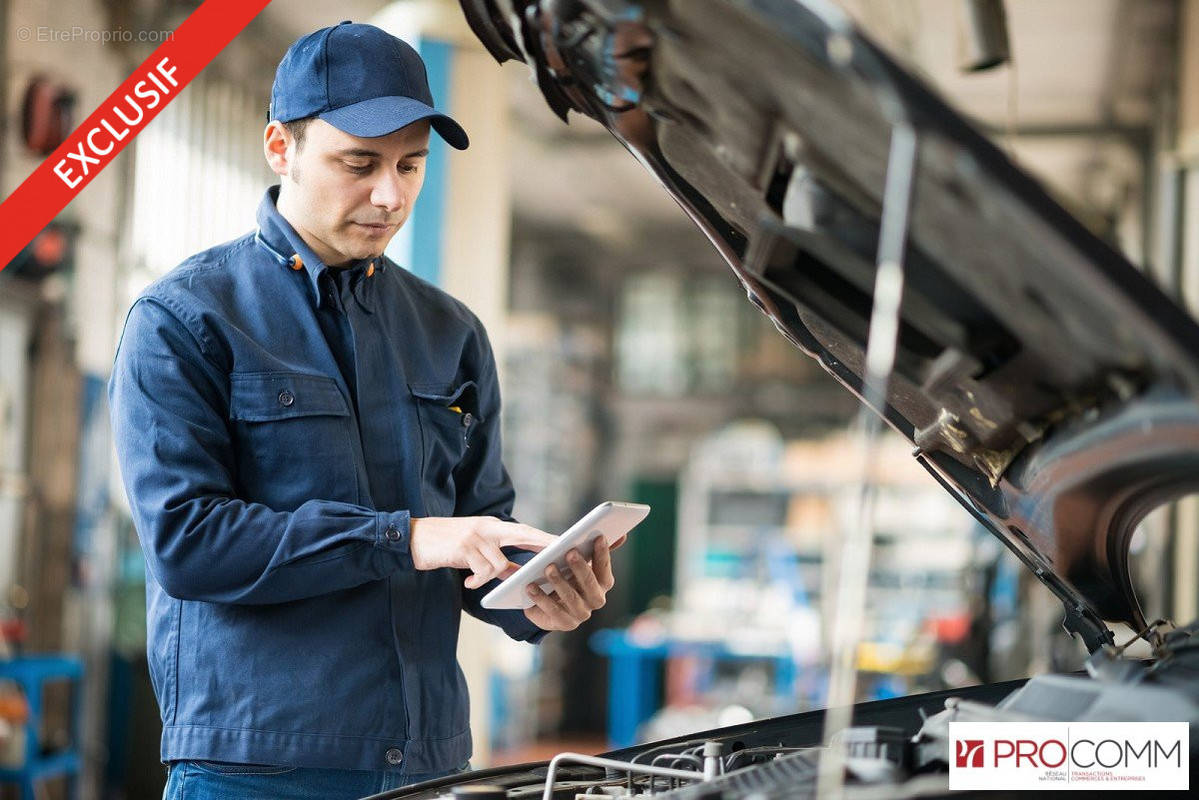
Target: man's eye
408 169
359 169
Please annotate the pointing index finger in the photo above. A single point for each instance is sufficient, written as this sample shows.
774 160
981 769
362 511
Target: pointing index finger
514 534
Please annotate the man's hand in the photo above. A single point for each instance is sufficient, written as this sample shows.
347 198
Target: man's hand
575 598
471 543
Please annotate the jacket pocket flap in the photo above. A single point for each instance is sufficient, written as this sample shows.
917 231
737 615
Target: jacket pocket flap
464 396
267 396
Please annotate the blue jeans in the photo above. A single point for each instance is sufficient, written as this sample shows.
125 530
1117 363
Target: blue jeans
208 780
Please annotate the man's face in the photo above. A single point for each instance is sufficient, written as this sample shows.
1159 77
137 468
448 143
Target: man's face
345 195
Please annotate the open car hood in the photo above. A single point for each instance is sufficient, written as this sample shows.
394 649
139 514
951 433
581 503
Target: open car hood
1042 379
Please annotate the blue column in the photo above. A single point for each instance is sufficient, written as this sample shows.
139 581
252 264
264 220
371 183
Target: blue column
417 247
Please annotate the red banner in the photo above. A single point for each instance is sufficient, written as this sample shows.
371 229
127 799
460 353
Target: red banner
95 143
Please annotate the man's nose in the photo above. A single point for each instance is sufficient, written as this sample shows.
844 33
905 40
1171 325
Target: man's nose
388 192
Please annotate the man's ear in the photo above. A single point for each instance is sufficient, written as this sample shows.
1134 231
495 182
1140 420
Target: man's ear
278 147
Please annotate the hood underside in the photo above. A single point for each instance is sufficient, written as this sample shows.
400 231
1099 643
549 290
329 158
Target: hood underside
1042 379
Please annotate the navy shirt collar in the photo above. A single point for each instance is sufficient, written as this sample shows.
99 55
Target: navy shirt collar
279 238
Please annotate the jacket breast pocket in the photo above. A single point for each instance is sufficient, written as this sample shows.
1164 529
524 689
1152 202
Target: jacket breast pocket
449 416
294 438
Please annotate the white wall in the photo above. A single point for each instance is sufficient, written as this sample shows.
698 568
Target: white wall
93 69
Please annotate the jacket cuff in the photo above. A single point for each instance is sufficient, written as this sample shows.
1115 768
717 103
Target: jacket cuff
521 628
535 637
393 537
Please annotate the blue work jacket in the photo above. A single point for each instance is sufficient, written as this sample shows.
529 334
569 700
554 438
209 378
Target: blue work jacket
278 423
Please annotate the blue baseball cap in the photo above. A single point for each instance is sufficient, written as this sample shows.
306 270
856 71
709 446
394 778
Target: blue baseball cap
359 79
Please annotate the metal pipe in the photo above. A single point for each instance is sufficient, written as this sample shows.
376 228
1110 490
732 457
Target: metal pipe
853 567
608 763
712 753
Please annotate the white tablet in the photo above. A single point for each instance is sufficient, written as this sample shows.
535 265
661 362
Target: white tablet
610 520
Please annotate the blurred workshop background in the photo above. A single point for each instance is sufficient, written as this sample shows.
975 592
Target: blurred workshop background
632 368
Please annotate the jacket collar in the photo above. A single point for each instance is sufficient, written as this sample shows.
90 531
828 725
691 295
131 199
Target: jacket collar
288 249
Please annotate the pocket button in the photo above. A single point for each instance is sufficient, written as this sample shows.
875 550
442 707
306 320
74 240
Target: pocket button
394 756
286 398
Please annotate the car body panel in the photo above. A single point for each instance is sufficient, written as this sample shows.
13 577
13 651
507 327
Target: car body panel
1047 383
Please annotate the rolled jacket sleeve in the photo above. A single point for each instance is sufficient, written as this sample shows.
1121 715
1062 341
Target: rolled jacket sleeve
484 489
169 405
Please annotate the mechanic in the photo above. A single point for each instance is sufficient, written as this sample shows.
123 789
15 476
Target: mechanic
309 437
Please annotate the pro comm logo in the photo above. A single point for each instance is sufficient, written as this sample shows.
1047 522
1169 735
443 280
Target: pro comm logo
1069 755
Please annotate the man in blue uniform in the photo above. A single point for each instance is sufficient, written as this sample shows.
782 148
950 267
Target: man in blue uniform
310 439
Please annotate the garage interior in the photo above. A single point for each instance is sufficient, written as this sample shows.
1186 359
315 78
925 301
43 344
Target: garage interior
631 364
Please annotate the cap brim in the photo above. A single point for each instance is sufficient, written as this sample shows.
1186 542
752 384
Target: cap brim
380 116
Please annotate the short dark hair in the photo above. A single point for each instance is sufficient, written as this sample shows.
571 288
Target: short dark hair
296 128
